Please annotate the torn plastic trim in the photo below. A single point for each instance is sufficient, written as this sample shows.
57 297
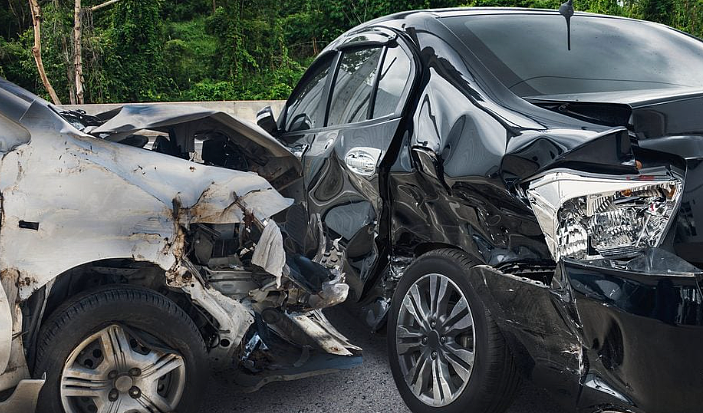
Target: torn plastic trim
652 261
24 398
539 326
629 320
581 335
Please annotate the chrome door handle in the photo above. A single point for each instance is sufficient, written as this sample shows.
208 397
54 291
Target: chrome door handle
363 161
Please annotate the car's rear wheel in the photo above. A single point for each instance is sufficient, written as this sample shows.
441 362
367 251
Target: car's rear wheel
446 352
121 349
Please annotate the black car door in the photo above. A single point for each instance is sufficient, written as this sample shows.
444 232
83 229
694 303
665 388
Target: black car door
341 161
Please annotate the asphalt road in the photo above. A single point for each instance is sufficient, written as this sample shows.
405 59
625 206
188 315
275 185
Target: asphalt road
368 388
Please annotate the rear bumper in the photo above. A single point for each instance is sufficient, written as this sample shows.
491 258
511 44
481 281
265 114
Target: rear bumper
24 398
601 338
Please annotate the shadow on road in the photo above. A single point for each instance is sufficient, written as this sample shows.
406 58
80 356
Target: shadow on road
369 388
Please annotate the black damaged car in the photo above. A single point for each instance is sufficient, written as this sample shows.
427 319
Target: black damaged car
513 193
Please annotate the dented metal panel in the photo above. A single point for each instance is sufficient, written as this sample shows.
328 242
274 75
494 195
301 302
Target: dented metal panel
77 204
100 200
453 176
5 329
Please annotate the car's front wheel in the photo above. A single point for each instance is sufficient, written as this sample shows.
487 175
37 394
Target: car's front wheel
446 352
121 349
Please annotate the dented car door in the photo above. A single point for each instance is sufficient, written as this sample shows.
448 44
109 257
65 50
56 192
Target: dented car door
344 185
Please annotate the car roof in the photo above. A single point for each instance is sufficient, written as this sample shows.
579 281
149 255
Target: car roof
477 11
427 18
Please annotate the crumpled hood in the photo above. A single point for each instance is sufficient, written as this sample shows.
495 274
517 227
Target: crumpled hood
132 118
198 193
184 123
650 114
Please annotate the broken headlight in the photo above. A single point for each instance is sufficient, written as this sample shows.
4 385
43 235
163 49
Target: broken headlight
594 216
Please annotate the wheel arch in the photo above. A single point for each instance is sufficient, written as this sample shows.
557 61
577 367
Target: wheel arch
425 247
92 275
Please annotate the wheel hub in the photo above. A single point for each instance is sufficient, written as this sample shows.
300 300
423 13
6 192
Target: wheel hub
434 340
113 371
124 383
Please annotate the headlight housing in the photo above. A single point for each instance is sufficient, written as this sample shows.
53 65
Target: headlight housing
588 216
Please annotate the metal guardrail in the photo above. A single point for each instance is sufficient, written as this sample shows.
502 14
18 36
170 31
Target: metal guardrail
245 109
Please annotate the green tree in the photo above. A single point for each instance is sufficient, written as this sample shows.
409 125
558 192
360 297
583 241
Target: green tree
146 50
135 58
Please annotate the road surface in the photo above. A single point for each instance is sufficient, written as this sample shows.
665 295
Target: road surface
368 388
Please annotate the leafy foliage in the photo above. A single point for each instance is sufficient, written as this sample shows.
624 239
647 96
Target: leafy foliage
151 50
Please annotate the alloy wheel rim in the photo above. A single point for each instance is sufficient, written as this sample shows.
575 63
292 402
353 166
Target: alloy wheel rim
435 340
114 371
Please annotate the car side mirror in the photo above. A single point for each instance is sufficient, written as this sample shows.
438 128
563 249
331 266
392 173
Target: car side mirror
266 120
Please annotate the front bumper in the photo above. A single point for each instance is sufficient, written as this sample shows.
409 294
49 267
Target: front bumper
605 339
643 337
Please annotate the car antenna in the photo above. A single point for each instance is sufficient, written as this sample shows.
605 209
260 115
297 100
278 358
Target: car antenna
567 10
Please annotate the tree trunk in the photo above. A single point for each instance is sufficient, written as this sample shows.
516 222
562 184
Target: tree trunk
78 53
68 56
214 6
36 50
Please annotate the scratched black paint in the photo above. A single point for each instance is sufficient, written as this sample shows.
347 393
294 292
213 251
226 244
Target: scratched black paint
454 163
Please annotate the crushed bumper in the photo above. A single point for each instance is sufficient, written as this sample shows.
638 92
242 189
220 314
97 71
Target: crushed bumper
606 338
642 333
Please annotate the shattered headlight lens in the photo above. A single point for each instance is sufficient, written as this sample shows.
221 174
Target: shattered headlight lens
595 216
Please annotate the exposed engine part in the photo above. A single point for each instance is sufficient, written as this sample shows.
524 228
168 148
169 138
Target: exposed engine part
232 283
219 150
271 315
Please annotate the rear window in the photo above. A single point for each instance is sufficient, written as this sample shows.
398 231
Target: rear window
395 75
352 90
529 55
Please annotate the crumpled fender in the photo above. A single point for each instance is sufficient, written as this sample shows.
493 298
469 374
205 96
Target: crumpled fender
535 151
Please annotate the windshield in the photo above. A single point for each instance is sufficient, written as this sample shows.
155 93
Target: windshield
529 55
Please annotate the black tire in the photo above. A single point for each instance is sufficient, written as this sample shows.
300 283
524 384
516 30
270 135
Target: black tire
494 379
135 308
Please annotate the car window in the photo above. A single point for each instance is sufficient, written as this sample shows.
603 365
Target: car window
351 95
305 108
394 77
529 53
